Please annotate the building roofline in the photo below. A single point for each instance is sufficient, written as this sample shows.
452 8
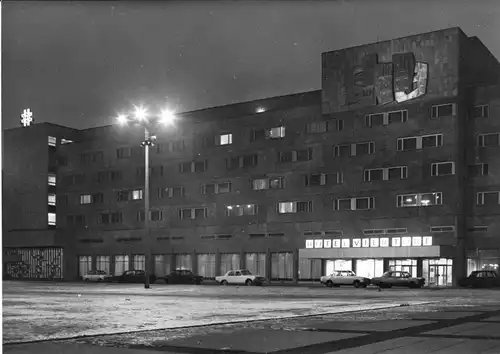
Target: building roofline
395 39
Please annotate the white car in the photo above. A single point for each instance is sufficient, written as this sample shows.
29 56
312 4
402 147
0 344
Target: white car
241 276
344 277
96 275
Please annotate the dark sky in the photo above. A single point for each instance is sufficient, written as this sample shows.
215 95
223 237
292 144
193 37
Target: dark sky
79 63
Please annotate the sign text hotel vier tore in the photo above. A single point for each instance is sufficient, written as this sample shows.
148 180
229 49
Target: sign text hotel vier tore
415 241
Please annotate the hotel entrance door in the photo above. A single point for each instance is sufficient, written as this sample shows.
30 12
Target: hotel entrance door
438 275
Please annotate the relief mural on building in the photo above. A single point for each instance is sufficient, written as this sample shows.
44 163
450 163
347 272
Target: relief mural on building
374 83
35 263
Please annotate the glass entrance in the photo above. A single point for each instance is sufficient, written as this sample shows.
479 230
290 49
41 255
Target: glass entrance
369 268
404 265
438 272
338 264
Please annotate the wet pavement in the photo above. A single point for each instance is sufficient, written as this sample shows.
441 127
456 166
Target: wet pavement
400 321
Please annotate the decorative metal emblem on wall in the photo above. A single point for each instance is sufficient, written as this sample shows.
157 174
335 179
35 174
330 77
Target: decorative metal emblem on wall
382 83
36 263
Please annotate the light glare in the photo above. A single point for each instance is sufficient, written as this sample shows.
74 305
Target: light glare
167 117
140 112
122 119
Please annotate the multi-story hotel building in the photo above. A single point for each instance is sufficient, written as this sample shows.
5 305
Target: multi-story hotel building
392 164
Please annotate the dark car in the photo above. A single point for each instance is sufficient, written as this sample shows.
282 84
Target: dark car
182 276
398 278
132 276
481 279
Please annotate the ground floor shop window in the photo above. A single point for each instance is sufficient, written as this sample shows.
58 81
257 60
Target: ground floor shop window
163 263
282 266
369 268
121 264
229 261
102 263
483 260
437 272
206 265
337 264
139 262
404 265
256 263
84 265
310 269
184 261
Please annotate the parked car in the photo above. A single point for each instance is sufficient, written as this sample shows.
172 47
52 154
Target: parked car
96 275
241 276
182 276
132 276
481 279
398 278
344 277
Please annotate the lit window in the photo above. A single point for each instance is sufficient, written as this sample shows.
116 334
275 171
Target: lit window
66 141
241 210
52 141
260 110
52 179
137 194
85 199
226 139
52 219
52 199
294 207
420 199
276 133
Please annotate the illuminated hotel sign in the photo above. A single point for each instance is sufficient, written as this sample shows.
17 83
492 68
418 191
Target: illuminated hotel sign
26 118
371 242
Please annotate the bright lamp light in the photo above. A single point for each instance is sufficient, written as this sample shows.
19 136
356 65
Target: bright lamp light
140 112
167 117
122 119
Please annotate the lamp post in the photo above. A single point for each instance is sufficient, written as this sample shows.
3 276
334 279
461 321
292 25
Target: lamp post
149 123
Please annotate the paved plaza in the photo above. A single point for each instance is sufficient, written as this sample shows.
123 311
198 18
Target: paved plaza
88 318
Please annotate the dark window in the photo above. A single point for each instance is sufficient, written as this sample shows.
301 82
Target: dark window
442 169
491 198
276 183
116 175
374 120
304 155
185 214
374 175
407 144
395 173
286 156
156 215
478 170
344 204
116 217
431 141
123 153
105 218
258 135
398 117
185 167
200 213
317 127
482 111
365 148
314 179
249 161
209 189
97 198
491 140
442 110
200 166
342 150
363 203
233 163
304 206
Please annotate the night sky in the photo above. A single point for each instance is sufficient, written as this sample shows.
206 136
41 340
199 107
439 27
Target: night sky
80 63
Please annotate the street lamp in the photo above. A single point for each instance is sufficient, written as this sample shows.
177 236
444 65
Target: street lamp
149 123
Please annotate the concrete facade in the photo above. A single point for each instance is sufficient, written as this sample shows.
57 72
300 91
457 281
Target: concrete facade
317 149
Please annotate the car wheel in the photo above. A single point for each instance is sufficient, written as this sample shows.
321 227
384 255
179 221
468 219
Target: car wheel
99 280
357 284
166 281
329 284
248 282
223 282
86 280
